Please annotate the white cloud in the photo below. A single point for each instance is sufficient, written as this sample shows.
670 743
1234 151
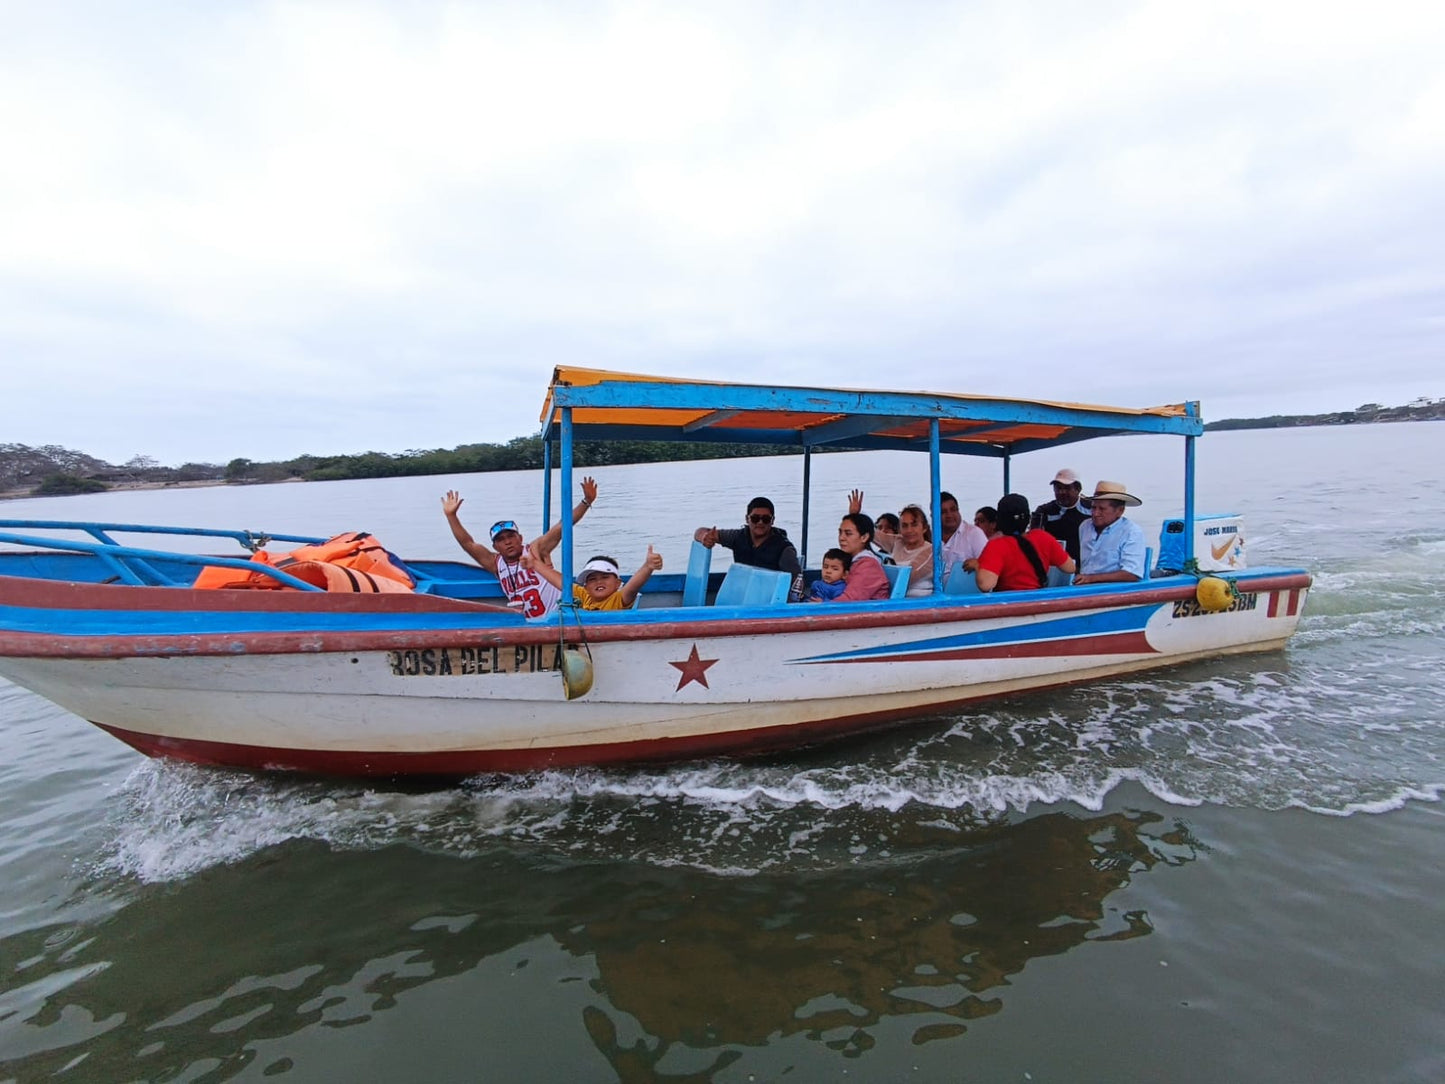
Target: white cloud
381 225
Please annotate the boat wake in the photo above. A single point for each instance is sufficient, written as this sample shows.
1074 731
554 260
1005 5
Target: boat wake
1333 726
1223 734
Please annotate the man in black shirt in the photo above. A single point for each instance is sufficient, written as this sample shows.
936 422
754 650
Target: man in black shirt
1062 516
758 542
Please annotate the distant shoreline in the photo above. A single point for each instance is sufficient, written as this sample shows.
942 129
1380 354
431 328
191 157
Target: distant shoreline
117 487
1370 414
1418 412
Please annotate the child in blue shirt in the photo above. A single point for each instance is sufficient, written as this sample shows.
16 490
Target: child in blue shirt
832 584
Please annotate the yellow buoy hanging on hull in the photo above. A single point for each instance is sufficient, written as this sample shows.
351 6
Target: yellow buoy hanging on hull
1214 594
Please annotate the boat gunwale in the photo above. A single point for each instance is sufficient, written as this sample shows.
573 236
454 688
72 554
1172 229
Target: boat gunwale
640 625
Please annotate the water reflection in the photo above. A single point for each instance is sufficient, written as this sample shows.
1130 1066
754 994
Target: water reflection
252 963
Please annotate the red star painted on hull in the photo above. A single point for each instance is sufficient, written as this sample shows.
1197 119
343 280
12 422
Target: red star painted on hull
693 669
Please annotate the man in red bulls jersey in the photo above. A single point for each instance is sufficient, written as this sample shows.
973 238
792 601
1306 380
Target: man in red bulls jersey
526 590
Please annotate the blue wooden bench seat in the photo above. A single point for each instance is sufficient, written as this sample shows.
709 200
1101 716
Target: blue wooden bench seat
699 564
897 580
747 586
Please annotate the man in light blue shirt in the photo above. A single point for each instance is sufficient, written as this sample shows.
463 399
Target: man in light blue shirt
1111 547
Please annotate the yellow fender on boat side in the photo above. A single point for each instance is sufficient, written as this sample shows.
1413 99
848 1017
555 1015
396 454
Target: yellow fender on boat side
1214 594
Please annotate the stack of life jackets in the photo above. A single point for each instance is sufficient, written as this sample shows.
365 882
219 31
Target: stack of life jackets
353 562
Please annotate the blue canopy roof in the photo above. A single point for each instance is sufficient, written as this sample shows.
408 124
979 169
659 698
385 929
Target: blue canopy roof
629 406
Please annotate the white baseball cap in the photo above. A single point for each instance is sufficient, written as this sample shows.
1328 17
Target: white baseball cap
597 564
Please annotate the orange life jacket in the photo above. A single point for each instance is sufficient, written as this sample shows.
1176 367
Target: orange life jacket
352 562
338 576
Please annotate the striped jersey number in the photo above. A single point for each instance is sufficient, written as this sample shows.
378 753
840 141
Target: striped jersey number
515 581
531 600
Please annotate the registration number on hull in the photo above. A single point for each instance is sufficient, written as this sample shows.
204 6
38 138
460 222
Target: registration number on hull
472 661
1188 607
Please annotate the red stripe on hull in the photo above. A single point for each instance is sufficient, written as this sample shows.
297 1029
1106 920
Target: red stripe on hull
1119 643
66 595
797 619
1273 604
457 764
1293 602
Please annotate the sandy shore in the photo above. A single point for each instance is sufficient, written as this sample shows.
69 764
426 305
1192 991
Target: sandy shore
117 487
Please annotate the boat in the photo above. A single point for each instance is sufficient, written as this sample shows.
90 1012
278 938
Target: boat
445 680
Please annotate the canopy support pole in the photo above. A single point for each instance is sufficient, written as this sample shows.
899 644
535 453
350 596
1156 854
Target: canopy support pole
807 489
1188 499
935 485
546 485
1007 461
566 511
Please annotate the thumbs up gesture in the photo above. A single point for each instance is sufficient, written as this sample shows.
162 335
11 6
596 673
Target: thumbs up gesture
653 560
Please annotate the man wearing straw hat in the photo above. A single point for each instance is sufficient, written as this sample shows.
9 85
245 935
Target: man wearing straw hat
1111 547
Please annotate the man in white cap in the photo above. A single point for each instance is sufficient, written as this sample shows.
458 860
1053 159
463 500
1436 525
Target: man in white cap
1063 515
1111 546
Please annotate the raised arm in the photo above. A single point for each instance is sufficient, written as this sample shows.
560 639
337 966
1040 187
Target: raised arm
479 553
539 564
650 564
549 541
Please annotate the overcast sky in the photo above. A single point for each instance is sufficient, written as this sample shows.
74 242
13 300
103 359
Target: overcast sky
262 229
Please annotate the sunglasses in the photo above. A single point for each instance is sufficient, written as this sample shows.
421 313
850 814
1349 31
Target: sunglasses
503 525
760 518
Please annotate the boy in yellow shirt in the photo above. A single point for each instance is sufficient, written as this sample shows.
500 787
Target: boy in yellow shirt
599 585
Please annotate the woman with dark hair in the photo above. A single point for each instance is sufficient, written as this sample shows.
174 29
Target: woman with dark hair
866 578
1019 559
986 520
904 542
909 546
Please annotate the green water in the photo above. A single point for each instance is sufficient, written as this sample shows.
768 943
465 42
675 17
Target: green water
1232 870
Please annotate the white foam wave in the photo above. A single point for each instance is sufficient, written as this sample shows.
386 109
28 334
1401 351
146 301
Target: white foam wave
1386 804
1327 734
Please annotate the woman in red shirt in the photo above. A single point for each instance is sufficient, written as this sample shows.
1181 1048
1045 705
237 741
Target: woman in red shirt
1017 559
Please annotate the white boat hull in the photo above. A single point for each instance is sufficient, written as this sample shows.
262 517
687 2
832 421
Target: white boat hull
449 701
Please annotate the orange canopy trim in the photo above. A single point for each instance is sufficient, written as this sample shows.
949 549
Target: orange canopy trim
616 405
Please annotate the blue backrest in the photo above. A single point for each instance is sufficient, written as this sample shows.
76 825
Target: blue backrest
768 588
897 579
747 586
959 581
734 587
1148 561
699 563
1059 578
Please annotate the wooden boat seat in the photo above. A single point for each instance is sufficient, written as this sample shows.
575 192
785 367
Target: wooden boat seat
745 585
